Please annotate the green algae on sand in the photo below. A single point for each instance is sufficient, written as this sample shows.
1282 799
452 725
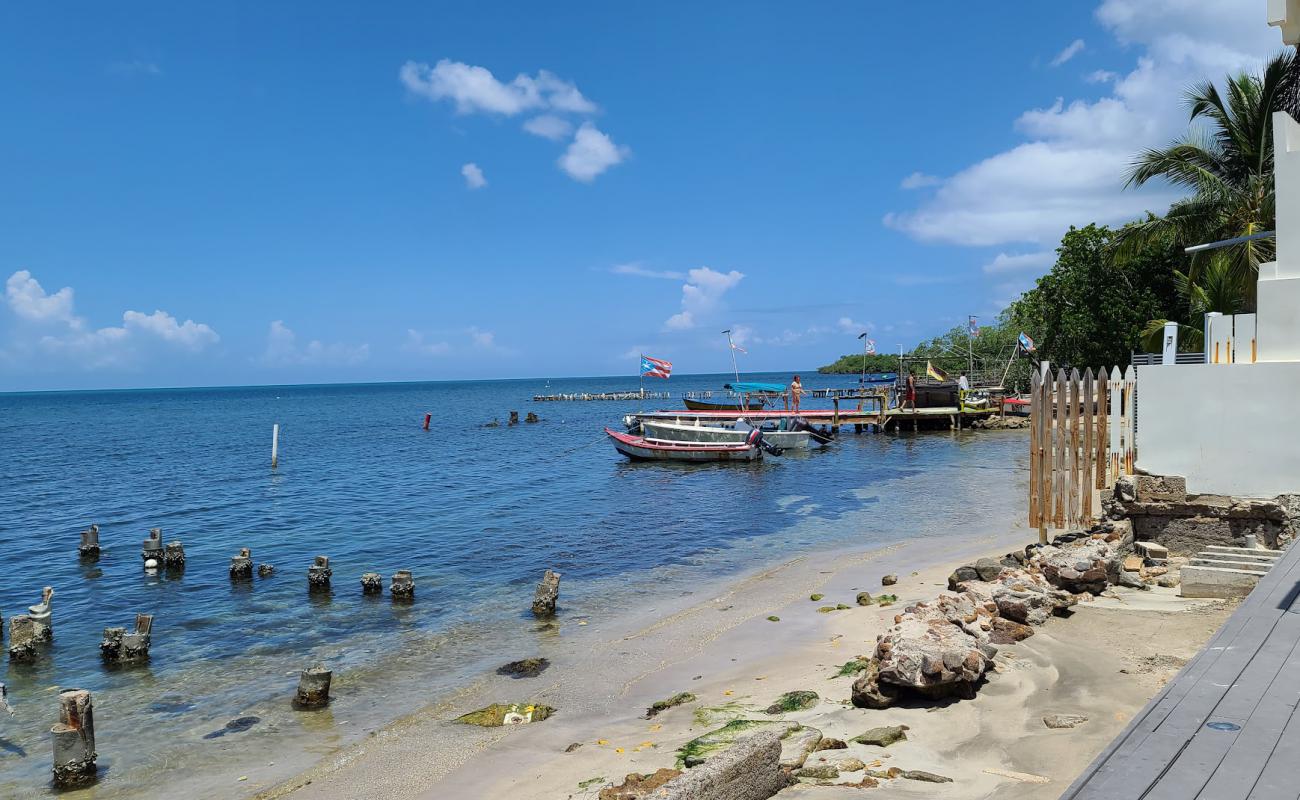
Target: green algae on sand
499 714
697 750
794 701
678 699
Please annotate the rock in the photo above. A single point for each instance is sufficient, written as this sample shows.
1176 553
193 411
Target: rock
265 570
889 580
573 748
826 609
864 599
922 775
1168 581
865 783
797 745
1021 596
793 701
933 652
1132 563
1160 489
883 736
532 418
885 774
827 743
961 575
524 668
815 597
1126 489
988 569
850 764
499 714
637 786
868 692
1064 720
1007 631
824 772
749 770
886 600
1083 566
773 618
678 699
237 725
701 748
842 607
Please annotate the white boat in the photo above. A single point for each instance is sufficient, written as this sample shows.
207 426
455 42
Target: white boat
680 432
640 448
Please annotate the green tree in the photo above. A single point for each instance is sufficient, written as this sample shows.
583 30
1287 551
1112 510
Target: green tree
1225 161
852 364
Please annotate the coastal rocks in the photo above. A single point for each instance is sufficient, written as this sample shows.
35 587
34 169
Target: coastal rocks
793 701
524 668
883 736
823 772
1007 631
500 714
1000 423
547 594
922 775
1083 567
659 706
748 770
796 740
372 583
815 597
864 599
936 650
889 580
1021 596
850 764
636 786
869 692
1064 720
827 743
241 566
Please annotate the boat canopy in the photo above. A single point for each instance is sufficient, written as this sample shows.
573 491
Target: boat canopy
755 388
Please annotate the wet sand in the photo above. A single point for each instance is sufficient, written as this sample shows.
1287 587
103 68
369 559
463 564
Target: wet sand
1104 661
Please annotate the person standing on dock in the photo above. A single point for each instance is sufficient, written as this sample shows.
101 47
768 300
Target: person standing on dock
909 401
796 389
963 383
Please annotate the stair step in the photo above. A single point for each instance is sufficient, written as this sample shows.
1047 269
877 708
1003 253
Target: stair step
1202 581
1257 553
1227 563
1263 562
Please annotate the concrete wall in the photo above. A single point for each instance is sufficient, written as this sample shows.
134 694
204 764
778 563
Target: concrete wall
1230 429
1278 318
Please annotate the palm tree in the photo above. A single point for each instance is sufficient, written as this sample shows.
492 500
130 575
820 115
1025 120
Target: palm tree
1227 165
1217 290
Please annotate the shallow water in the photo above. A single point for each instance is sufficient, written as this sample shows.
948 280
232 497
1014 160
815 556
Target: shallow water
476 513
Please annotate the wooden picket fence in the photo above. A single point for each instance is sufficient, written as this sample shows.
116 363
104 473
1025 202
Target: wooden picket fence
1081 435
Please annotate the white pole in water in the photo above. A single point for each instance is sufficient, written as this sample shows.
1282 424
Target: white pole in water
275 445
732 347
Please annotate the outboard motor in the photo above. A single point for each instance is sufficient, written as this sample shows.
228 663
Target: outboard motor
819 436
755 439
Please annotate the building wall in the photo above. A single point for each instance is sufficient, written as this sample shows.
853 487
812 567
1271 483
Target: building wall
1227 428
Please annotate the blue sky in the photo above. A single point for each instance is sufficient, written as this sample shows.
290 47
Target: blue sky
298 192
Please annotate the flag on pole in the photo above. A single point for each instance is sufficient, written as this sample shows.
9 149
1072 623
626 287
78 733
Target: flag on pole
1025 343
936 373
735 346
974 326
871 347
655 367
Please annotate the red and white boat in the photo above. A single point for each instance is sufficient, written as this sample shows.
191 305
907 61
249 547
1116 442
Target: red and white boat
643 449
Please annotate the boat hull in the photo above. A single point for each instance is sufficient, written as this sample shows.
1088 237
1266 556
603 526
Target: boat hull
786 440
639 448
708 405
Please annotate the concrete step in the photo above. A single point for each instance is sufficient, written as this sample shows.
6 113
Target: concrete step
1268 555
1222 582
1231 563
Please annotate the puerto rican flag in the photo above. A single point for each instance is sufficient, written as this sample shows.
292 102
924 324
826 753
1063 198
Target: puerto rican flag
655 367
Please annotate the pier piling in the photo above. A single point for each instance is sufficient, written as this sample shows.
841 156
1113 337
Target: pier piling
22 639
548 592
427 419
318 574
372 583
41 616
152 549
89 548
241 566
313 687
119 646
275 445
174 555
265 570
74 740
514 418
402 587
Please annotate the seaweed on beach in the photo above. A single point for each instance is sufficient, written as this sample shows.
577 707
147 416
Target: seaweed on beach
678 699
851 668
801 700
708 715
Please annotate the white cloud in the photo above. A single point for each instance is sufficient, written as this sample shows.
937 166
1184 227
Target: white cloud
282 349
549 126
1071 50
484 339
849 325
415 343
1101 76
29 300
642 272
54 329
590 153
919 180
473 176
703 289
475 89
1070 169
1004 263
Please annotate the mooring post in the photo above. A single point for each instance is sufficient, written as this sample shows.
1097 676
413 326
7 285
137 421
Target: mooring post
402 587
241 566
174 555
89 547
313 687
372 583
318 574
152 549
514 417
265 570
74 740
22 639
275 445
41 616
548 592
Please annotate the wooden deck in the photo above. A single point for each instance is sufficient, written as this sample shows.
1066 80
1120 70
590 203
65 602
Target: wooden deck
1226 727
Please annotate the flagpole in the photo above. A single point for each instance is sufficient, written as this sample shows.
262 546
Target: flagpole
732 347
970 350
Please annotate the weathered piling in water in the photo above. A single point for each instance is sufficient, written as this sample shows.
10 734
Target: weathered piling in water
241 566
42 616
514 417
548 592
372 583
119 646
22 639
74 740
427 419
313 687
174 555
532 418
318 574
402 587
152 549
265 570
275 445
89 547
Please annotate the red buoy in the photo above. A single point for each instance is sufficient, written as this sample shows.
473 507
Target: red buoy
427 417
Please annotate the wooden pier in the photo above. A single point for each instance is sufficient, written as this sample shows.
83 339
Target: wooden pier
1226 727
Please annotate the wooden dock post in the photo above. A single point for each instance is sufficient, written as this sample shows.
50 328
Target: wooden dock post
74 740
1035 411
1062 414
275 445
1089 422
1072 515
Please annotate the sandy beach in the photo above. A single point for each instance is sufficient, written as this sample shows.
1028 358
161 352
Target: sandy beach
1102 661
